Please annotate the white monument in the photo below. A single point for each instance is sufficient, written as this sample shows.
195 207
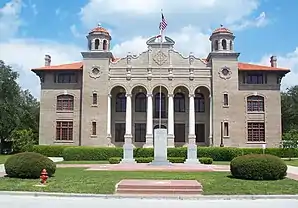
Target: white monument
160 147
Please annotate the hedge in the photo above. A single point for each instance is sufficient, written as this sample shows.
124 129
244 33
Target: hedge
104 153
116 160
50 150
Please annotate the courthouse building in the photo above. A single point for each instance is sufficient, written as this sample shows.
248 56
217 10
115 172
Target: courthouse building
109 101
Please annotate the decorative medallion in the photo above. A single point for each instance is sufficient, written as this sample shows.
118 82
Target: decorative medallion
225 73
160 58
95 72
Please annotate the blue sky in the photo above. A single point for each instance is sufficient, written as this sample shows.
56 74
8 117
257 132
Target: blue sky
31 28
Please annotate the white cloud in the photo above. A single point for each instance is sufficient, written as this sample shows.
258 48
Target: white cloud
74 31
25 54
259 21
196 11
188 39
9 19
289 60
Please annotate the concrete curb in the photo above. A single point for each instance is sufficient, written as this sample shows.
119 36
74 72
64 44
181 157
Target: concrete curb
107 196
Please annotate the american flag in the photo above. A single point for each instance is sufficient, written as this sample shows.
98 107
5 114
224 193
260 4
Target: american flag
163 24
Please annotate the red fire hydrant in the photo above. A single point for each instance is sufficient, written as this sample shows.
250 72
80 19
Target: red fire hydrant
44 176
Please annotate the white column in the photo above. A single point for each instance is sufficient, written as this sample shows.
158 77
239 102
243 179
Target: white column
191 119
171 136
128 135
109 118
192 147
149 127
210 121
128 146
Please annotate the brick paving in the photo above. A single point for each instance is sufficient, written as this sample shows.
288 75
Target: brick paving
146 167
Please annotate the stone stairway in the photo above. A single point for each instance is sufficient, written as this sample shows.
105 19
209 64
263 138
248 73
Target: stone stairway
159 187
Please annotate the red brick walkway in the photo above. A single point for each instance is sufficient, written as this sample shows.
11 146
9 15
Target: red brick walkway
146 167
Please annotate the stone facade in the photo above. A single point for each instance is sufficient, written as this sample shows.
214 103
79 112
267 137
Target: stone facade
107 101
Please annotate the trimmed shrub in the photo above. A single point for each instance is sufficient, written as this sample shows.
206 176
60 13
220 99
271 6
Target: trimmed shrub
50 150
206 160
104 153
28 165
91 153
258 167
116 160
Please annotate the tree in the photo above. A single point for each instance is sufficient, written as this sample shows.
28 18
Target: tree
22 140
9 102
289 109
19 110
290 141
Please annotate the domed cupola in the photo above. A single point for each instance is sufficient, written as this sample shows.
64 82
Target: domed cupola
222 40
99 39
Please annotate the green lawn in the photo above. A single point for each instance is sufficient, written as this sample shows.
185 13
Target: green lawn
3 158
76 180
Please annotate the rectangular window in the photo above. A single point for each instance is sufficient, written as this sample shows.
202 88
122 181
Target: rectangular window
119 132
64 130
66 77
255 78
226 99
94 98
226 132
200 132
179 132
256 132
140 132
93 128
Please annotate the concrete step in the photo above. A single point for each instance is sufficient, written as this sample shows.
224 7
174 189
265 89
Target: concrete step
160 187
159 191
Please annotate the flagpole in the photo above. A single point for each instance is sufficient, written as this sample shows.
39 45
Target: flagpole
161 36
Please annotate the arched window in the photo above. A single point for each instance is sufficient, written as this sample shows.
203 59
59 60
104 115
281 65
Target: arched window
96 44
140 102
224 44
179 102
105 45
199 102
65 102
120 102
160 108
216 45
255 103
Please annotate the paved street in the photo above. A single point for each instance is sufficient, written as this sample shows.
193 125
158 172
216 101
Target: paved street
79 202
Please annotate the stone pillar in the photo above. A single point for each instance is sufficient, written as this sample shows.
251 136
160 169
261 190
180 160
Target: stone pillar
171 136
109 136
210 121
149 128
191 147
128 146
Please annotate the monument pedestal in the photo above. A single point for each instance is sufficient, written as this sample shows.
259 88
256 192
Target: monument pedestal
192 154
160 148
128 154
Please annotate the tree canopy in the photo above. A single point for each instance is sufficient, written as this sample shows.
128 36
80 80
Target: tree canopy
19 110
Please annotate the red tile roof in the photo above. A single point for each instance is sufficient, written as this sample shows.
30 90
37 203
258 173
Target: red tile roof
241 67
99 29
254 67
222 30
